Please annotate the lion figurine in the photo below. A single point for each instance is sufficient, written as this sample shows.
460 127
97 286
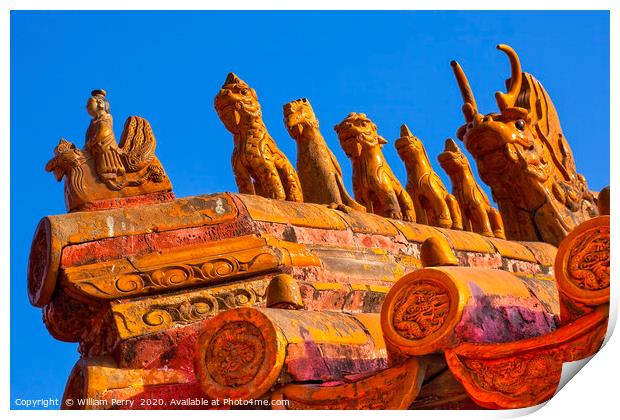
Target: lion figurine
317 167
478 215
430 196
259 166
374 184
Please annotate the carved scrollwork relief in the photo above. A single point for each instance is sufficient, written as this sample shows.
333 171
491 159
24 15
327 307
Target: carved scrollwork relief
131 283
187 312
148 315
185 273
515 376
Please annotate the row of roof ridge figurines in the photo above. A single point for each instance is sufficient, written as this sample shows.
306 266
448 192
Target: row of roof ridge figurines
521 153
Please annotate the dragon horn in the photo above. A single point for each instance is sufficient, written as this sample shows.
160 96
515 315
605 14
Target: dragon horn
507 100
469 103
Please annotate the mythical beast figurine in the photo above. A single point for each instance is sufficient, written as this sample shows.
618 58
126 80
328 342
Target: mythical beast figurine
522 154
105 172
478 215
259 166
317 167
433 204
374 184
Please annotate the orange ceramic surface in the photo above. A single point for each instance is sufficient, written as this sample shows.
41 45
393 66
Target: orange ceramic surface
429 310
478 214
392 389
104 170
527 372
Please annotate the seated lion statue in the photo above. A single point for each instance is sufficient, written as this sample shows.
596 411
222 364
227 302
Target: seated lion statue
434 205
374 184
317 167
478 214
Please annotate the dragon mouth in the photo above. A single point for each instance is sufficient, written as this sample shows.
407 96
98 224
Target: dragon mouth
237 109
296 126
481 141
445 157
357 136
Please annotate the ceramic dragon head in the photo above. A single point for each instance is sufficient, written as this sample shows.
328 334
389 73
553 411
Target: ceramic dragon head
522 154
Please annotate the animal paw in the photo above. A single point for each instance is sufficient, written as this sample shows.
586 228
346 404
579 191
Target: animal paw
357 206
114 184
394 215
409 216
344 208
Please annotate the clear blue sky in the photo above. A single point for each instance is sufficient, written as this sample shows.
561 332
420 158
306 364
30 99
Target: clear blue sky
167 67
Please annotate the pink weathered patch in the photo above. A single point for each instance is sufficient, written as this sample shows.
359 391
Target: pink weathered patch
173 348
310 361
494 319
477 259
517 266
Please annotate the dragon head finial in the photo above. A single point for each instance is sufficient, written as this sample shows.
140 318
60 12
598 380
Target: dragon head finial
522 154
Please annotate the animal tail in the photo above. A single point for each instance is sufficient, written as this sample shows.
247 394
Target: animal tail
344 194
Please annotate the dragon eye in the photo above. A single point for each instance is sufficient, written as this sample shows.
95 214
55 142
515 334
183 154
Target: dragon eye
520 124
244 91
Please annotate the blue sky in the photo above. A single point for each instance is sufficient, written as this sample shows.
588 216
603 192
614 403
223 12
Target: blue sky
168 66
